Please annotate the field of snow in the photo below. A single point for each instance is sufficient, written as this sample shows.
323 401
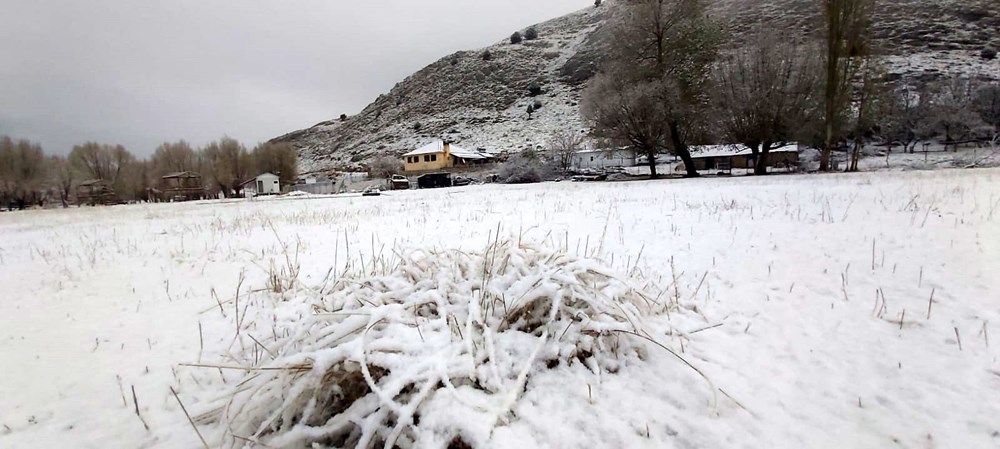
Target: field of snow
815 311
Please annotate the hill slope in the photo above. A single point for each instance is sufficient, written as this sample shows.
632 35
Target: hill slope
481 102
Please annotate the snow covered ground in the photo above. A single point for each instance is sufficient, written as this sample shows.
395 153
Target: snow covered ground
824 311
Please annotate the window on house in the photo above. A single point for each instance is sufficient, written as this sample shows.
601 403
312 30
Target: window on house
434 157
427 158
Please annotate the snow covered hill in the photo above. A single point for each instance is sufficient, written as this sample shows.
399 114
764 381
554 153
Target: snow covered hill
480 100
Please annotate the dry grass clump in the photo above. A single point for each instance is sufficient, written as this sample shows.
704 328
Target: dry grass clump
381 353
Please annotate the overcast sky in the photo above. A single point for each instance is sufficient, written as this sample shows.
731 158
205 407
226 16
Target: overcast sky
140 73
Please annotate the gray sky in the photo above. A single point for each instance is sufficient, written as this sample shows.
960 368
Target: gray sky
140 73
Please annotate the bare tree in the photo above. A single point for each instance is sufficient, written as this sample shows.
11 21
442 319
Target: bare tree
904 121
385 167
628 113
62 176
22 172
848 41
277 158
655 82
987 104
100 161
951 112
563 145
229 164
870 104
136 178
174 157
764 91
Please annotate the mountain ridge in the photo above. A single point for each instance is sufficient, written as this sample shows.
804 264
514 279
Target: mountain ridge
481 102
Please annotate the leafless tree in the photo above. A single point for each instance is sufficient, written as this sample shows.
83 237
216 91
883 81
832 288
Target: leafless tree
987 104
563 145
905 119
869 105
100 161
172 157
848 26
951 112
627 113
385 167
63 177
764 91
652 92
277 158
22 172
229 164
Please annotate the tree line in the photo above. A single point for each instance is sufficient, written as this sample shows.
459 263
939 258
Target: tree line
29 177
672 78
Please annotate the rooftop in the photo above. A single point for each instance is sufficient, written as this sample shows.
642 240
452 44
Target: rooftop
182 174
455 150
729 150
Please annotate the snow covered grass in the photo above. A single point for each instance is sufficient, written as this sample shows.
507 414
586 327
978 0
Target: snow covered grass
842 310
365 358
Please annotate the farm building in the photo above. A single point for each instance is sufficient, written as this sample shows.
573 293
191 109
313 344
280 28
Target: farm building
316 186
728 157
440 155
96 191
604 158
263 184
182 186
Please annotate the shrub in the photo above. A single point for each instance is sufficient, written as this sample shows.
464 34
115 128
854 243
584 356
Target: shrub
597 3
417 126
487 56
525 168
343 117
531 34
384 167
534 90
537 104
519 170
454 60
988 54
516 38
531 110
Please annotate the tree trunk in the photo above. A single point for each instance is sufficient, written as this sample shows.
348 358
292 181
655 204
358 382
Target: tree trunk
682 151
852 166
651 159
760 161
825 155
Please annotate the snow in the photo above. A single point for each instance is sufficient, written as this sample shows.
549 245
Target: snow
703 151
802 299
433 147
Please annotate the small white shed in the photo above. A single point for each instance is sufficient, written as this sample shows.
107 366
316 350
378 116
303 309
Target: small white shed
266 184
604 158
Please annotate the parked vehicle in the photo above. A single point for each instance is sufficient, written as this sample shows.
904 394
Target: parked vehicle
461 181
579 178
372 191
399 182
434 180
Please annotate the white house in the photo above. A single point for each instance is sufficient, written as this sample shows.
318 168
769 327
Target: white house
264 184
604 158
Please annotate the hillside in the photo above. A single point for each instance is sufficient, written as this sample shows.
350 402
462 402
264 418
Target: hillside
481 102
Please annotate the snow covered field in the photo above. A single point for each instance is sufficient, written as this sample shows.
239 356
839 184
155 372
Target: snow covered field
824 311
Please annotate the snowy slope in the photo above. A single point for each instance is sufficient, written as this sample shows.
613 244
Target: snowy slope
481 104
827 311
463 97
